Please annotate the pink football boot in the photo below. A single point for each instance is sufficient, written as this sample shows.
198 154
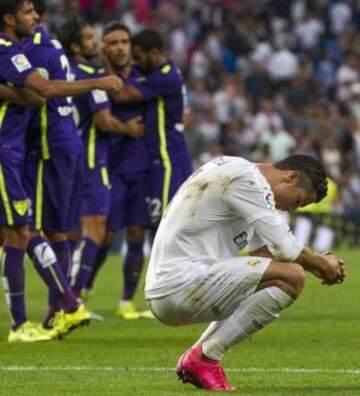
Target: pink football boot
195 368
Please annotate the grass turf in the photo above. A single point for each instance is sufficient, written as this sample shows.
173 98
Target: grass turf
114 357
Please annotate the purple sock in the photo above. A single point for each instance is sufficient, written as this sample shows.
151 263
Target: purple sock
87 261
13 273
132 268
62 250
100 260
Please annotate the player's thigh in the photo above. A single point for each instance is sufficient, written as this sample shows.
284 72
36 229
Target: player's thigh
213 295
118 192
96 192
136 208
51 189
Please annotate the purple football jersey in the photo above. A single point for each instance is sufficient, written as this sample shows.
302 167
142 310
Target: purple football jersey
128 154
52 131
14 69
164 91
95 141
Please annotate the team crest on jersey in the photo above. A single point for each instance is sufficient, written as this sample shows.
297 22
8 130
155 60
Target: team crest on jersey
21 207
253 263
20 61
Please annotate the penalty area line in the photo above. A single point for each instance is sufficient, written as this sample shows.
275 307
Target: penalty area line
355 371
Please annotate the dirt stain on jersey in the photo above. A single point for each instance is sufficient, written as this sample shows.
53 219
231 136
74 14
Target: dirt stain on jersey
227 180
195 192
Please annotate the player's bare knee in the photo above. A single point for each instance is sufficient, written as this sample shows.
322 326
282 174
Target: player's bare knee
23 235
135 233
109 238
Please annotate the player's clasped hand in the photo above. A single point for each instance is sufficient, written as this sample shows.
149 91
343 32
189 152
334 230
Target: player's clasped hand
335 272
135 128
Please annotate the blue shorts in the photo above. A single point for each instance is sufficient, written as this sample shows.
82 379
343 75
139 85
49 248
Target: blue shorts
128 201
54 187
96 192
15 204
162 186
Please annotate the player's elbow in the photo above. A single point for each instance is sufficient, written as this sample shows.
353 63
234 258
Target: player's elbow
104 123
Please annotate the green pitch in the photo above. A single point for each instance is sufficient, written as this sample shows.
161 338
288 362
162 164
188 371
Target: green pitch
314 349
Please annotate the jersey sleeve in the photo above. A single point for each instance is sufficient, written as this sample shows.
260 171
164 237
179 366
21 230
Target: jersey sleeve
98 100
256 205
15 67
157 84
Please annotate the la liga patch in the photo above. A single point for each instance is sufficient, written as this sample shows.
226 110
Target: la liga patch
269 199
21 62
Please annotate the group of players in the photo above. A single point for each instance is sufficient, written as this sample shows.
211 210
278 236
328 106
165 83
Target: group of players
84 152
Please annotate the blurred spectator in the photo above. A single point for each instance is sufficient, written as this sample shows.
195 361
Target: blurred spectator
280 143
229 101
346 76
283 65
266 119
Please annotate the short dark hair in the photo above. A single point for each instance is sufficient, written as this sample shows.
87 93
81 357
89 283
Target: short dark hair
112 26
311 171
147 40
9 7
40 6
70 33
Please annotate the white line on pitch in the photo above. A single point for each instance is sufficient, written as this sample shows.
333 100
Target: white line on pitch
152 369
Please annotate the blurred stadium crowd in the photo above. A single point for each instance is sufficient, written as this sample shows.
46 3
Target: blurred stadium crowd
265 78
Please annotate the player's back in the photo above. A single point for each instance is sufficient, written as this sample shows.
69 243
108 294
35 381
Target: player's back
165 95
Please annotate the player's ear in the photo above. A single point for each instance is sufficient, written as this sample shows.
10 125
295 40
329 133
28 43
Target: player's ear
292 177
9 20
75 48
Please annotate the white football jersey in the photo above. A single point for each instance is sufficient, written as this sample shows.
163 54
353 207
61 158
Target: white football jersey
223 207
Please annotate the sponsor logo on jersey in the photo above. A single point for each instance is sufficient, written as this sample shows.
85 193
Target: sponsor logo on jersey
20 61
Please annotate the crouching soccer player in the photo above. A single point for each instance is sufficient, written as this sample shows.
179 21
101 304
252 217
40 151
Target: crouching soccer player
195 275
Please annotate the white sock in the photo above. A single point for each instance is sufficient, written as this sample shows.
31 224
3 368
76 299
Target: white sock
254 313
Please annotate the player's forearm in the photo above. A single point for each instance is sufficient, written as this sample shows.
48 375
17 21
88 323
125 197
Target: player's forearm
11 95
311 261
112 125
261 252
31 98
21 97
60 89
127 95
